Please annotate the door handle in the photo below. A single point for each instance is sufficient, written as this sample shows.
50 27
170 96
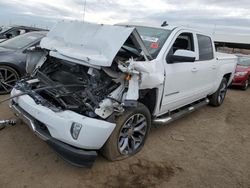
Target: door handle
194 69
213 66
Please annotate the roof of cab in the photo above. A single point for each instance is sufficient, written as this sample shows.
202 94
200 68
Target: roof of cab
143 24
168 27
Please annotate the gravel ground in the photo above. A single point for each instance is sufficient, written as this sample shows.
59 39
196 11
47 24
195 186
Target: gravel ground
208 148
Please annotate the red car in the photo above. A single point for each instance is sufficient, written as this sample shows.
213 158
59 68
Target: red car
242 72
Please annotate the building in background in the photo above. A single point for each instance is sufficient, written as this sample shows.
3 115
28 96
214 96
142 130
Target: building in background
232 43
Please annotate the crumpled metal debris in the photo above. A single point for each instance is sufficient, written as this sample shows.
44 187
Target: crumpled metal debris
178 138
4 123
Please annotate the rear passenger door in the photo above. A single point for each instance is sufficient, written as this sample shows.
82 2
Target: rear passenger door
206 64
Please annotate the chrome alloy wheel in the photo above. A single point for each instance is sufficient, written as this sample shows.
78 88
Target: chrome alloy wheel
8 78
132 134
222 93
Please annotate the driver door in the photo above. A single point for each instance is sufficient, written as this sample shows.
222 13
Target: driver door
181 79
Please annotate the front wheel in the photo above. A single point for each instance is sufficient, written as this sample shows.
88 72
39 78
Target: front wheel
218 97
129 135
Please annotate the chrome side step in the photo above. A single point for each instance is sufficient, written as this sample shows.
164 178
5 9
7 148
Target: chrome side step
171 116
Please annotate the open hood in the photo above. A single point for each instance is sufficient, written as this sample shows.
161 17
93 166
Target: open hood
88 43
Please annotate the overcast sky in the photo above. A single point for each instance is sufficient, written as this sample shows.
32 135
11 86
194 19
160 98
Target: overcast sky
221 15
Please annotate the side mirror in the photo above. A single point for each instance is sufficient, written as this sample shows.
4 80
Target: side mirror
182 56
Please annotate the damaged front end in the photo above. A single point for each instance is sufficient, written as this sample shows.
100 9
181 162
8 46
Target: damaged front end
108 80
80 80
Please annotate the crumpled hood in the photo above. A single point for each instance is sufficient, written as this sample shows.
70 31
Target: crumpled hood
84 42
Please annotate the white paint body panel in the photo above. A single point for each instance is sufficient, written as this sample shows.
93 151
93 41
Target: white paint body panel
93 134
188 82
152 73
94 44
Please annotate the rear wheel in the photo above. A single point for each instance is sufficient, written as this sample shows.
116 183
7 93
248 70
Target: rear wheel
218 97
130 134
8 78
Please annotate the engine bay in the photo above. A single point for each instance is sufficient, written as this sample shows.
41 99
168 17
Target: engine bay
82 90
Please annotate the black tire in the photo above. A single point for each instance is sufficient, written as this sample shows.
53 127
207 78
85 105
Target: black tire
245 85
112 148
218 97
8 78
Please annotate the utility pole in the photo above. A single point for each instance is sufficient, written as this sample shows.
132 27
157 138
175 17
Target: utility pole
214 29
84 10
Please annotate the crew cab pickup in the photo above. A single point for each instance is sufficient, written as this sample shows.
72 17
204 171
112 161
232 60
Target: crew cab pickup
100 87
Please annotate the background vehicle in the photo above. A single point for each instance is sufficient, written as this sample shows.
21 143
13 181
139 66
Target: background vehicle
104 91
13 31
13 58
242 72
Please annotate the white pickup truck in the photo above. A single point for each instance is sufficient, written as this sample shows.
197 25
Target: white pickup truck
100 87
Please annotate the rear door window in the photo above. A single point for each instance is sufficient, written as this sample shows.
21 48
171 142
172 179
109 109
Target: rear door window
205 48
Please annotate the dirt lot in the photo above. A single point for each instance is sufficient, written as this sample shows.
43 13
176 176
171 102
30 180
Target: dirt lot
208 148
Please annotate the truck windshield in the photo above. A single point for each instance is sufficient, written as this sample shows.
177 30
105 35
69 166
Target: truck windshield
244 61
153 38
21 41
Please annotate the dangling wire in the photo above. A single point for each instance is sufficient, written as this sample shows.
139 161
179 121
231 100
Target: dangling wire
40 89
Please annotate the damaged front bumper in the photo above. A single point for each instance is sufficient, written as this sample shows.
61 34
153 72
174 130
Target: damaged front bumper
75 156
55 130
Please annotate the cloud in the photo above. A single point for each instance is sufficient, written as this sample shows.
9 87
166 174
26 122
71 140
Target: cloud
223 14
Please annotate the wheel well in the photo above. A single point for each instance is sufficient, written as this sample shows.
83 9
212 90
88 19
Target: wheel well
227 76
148 98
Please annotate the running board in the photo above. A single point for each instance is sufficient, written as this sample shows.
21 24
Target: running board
171 116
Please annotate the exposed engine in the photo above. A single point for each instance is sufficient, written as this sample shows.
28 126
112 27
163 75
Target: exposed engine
70 86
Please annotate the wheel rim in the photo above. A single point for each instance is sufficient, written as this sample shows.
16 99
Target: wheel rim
132 134
8 79
222 93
